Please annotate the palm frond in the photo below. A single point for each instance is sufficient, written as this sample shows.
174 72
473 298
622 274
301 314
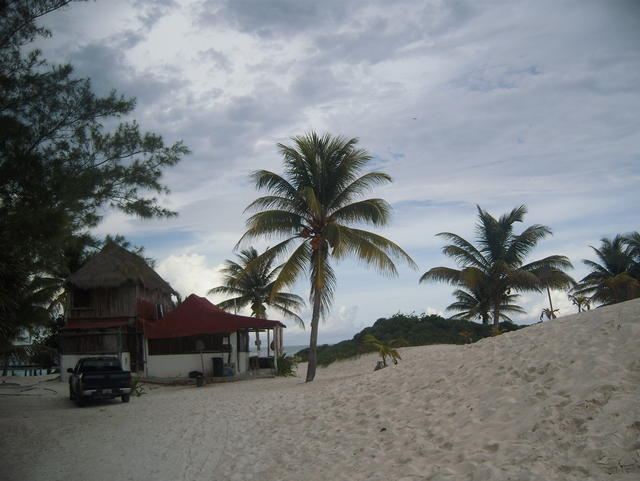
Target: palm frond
275 184
442 274
358 187
390 248
292 268
370 211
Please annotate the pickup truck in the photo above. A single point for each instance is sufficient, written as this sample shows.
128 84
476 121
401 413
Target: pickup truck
99 378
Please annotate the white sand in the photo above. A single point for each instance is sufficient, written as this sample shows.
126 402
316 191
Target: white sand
555 401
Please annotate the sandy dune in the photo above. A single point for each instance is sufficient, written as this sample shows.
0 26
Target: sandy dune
555 401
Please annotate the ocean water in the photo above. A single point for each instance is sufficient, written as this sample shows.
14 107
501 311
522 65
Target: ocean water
22 372
288 350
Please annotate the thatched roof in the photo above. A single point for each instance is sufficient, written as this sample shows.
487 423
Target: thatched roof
115 266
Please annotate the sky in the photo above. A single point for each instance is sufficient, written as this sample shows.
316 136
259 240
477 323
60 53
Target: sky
493 103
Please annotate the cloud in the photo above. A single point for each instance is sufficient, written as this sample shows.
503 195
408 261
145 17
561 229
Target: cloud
190 274
462 103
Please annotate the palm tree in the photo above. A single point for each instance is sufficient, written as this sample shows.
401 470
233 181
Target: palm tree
581 302
475 304
311 205
253 287
632 243
385 349
548 313
611 280
496 266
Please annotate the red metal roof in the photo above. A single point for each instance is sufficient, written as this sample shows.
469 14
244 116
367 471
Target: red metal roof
96 324
196 315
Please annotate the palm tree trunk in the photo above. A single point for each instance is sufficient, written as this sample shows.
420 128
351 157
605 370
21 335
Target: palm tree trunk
496 314
313 341
550 304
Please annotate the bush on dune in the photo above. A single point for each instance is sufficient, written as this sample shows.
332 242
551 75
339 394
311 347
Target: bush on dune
418 330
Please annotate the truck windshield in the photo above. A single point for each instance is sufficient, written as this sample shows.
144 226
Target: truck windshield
96 365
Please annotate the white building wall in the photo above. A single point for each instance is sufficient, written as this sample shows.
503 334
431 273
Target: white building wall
70 360
180 365
244 362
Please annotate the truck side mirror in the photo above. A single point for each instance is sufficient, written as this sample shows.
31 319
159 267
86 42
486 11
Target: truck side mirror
70 370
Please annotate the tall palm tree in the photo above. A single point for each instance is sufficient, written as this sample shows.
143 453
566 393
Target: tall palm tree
496 266
311 205
253 287
612 280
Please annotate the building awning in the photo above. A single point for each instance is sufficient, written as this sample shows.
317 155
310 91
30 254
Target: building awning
96 324
196 316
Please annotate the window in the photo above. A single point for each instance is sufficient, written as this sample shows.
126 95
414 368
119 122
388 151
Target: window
189 345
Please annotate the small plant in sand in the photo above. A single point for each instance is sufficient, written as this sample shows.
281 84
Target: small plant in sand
467 336
583 303
548 313
287 365
385 349
496 331
137 387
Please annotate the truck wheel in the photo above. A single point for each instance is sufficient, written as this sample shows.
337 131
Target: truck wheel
125 398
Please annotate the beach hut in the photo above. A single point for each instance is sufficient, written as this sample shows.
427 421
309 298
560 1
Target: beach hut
199 336
109 300
118 305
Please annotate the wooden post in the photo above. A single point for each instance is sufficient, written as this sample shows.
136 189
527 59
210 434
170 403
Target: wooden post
275 351
268 342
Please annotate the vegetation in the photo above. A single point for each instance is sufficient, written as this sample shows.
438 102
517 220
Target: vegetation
251 281
137 387
548 313
385 349
60 168
416 330
616 277
312 205
287 365
581 302
491 271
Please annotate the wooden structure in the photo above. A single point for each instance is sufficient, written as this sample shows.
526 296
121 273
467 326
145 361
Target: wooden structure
109 300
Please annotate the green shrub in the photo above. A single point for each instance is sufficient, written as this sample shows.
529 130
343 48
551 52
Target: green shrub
287 365
417 330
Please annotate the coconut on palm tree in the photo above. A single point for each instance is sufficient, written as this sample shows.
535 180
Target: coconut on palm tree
612 280
312 206
251 284
495 266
